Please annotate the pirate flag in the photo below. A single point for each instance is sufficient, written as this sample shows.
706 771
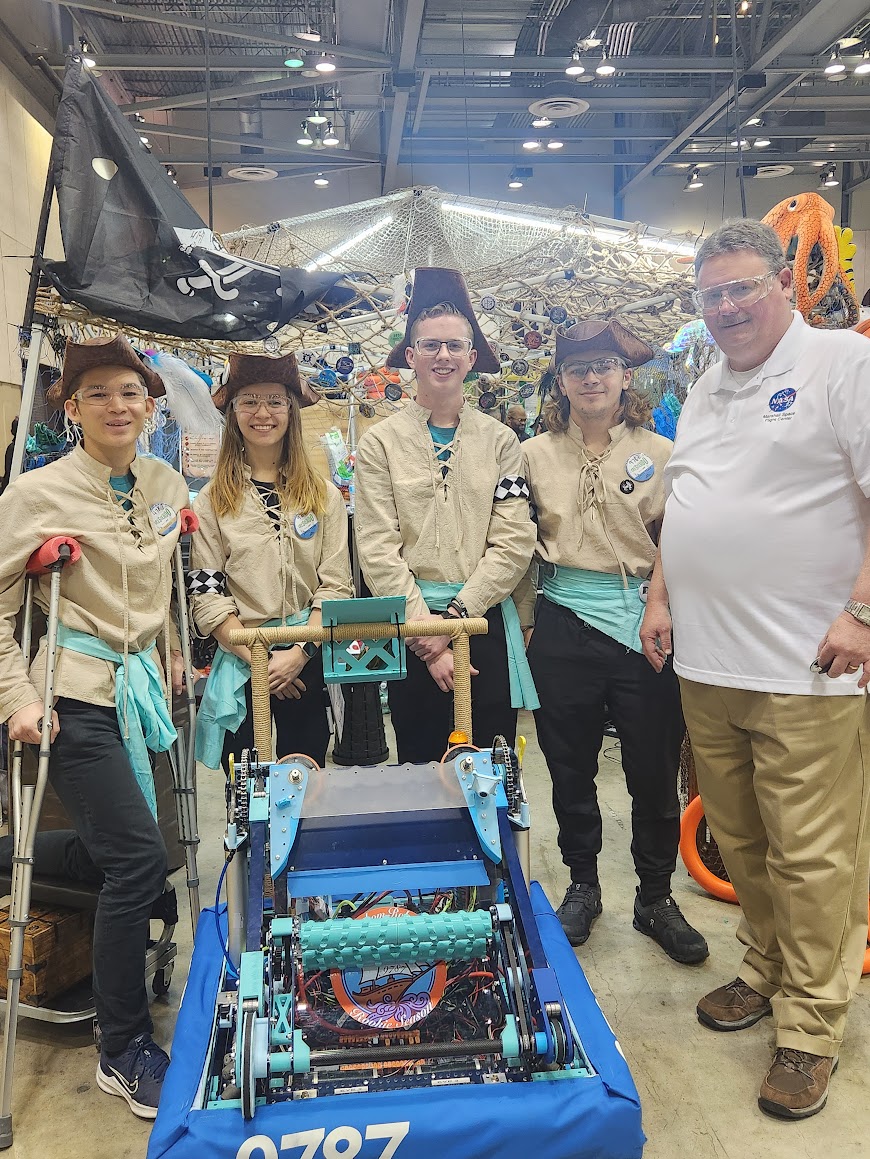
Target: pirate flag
136 252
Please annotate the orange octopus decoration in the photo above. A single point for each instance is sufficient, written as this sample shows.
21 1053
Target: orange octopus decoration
805 226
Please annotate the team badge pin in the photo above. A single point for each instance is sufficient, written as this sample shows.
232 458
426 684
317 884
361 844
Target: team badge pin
639 467
626 486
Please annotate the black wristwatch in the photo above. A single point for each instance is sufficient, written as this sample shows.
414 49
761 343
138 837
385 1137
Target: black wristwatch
309 648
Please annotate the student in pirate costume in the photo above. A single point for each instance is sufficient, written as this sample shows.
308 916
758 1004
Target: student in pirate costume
596 484
442 518
271 546
112 699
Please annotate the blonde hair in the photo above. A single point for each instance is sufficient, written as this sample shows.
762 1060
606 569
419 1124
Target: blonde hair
299 486
634 411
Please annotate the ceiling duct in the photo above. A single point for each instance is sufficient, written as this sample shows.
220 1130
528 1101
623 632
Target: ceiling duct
251 123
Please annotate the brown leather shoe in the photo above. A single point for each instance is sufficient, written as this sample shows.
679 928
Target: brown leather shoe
733 1007
796 1085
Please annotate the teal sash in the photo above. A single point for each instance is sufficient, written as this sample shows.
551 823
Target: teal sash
223 705
600 599
140 702
523 692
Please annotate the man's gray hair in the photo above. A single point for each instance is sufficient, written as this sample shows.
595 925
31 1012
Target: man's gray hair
743 234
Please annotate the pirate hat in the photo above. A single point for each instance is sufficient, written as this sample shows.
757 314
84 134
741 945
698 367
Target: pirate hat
81 356
433 285
256 369
601 335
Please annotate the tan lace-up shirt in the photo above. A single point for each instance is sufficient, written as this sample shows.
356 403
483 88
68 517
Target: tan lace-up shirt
588 515
120 588
469 524
262 571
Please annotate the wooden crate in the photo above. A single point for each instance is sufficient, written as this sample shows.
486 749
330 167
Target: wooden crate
58 945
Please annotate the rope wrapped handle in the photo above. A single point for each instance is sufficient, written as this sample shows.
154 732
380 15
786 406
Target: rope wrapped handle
189 521
58 549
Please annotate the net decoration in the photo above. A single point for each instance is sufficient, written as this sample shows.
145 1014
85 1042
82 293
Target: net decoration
530 271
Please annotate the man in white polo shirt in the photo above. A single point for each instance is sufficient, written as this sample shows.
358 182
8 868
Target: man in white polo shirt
765 565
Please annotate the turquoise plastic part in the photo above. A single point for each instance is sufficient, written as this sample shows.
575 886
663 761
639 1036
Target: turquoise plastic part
301 1054
510 1040
282 1009
344 942
287 785
344 661
281 928
251 979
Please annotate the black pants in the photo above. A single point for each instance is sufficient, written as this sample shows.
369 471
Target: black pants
423 714
301 725
578 670
118 839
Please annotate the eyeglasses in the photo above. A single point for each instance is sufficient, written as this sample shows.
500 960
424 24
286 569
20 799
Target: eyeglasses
741 292
99 396
250 403
579 370
432 346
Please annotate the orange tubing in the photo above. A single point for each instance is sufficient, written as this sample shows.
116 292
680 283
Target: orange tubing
714 885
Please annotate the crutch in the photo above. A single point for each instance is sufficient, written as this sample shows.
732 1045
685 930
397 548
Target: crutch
184 761
27 803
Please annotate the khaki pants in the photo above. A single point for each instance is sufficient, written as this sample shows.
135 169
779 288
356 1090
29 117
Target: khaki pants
785 782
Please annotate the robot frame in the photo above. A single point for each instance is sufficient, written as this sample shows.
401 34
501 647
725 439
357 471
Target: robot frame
382 943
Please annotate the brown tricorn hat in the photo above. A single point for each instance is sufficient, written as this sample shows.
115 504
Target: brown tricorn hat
433 285
256 369
602 335
81 356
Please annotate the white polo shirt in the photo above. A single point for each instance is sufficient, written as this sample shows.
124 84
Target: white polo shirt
767 516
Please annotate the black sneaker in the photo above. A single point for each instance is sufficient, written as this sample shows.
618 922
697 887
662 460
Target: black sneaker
136 1074
579 909
663 922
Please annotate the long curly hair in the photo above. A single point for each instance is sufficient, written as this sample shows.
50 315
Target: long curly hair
299 486
634 411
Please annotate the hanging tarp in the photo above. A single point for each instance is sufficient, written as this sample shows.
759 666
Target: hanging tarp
137 252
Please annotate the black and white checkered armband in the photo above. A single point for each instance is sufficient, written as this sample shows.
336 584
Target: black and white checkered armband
205 581
512 487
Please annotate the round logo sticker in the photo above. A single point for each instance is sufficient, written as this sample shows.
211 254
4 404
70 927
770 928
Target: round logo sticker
626 486
391 995
344 365
487 303
164 518
519 366
558 314
392 392
639 467
271 344
367 410
783 399
307 357
532 339
527 389
487 400
305 526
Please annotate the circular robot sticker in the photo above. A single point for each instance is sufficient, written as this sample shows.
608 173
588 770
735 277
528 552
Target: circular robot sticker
392 995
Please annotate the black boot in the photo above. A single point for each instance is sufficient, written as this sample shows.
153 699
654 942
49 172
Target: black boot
663 922
579 909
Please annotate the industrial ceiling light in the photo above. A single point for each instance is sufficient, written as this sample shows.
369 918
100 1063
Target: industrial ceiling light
316 117
321 180
743 143
828 177
514 180
755 119
541 123
325 64
762 142
745 5
555 144
605 68
531 144
293 60
144 139
835 65
593 40
311 34
304 137
693 181
330 137
87 60
574 67
863 67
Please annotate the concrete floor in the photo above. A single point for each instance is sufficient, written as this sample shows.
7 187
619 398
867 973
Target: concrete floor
698 1089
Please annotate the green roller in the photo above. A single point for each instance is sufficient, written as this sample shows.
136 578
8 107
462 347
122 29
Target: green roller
343 942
